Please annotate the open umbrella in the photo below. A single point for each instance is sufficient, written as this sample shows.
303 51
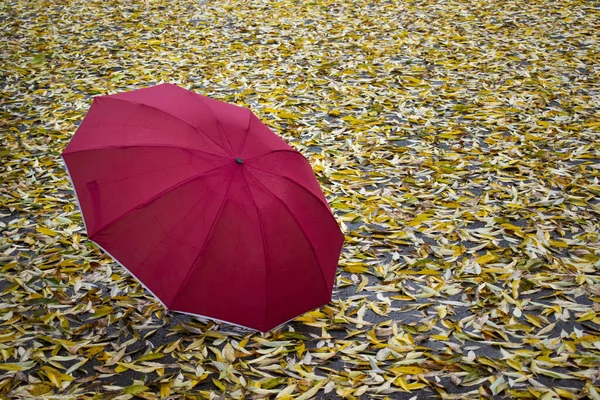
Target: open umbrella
205 206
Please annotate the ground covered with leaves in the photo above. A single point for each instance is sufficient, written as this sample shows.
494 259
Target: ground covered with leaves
458 145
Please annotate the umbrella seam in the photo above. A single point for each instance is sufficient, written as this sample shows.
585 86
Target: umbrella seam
290 150
310 244
145 145
324 204
167 235
189 313
264 245
221 128
206 241
143 173
154 198
172 115
247 131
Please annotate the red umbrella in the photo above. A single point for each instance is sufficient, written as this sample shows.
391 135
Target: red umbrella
204 205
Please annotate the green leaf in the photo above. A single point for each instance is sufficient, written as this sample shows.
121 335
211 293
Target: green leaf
135 389
102 311
150 357
21 366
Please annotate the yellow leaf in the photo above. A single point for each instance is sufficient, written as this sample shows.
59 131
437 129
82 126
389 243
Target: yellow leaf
401 382
424 271
534 320
150 357
416 385
410 370
244 342
300 349
39 389
172 346
486 258
288 115
458 251
286 392
356 268
591 124
17 366
137 368
450 134
310 393
511 227
102 312
55 376
46 231
427 271
364 282
442 311
229 353
377 310
565 394
219 385
514 364
587 316
420 218
558 243
165 390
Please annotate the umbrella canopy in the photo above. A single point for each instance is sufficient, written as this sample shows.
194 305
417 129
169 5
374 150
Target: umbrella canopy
204 205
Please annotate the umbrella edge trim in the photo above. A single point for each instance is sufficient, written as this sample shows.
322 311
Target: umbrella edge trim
206 317
75 192
130 273
102 248
247 327
200 315
148 289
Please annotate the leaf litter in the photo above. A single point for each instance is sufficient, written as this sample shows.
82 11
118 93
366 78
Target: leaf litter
457 143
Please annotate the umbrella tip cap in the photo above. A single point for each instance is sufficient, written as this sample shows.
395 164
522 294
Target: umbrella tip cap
239 160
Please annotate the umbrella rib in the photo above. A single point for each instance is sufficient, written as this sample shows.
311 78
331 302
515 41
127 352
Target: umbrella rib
143 173
276 151
154 198
298 184
247 132
206 241
157 246
146 145
201 99
225 134
310 244
174 116
264 243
